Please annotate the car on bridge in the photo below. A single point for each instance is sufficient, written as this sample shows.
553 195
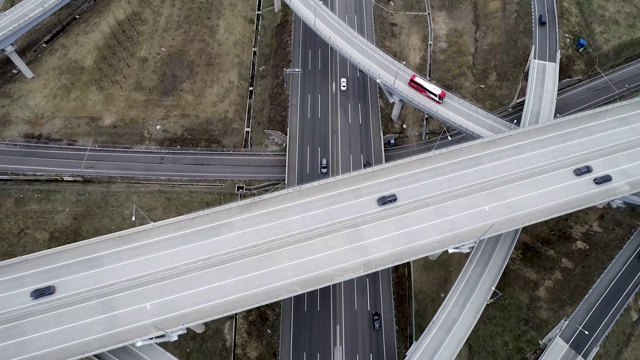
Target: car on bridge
387 199
43 291
602 179
583 170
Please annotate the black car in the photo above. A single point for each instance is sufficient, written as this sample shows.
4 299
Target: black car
377 321
387 199
43 291
583 170
602 179
542 20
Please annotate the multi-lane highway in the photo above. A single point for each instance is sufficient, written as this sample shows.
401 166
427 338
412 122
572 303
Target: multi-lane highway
201 266
92 161
371 60
333 320
581 336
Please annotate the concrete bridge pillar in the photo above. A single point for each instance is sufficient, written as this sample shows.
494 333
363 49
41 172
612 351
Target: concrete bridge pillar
10 51
397 107
277 5
199 328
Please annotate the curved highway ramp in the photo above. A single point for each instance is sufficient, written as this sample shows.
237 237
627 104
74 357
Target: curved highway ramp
391 73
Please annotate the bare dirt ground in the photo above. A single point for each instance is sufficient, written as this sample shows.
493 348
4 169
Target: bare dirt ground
432 281
40 215
553 266
480 50
258 335
612 31
270 105
168 73
404 37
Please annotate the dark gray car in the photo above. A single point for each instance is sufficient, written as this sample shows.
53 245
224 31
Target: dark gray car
602 179
387 199
583 170
43 291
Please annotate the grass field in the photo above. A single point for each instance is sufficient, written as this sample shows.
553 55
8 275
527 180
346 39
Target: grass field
552 268
39 216
270 105
169 73
611 28
480 50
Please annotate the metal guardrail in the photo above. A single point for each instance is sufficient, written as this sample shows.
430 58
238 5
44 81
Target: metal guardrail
142 148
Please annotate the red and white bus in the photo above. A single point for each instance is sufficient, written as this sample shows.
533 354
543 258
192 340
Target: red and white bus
427 88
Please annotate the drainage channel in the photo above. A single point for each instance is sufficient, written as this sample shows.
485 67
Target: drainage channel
246 143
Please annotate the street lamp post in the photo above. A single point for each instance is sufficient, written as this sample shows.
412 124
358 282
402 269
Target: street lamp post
445 129
437 141
605 77
133 218
397 71
585 331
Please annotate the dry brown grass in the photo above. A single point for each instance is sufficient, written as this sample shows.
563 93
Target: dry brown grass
404 37
175 75
481 48
611 28
623 342
270 105
554 265
482 42
552 268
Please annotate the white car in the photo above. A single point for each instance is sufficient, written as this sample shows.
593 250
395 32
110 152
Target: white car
343 84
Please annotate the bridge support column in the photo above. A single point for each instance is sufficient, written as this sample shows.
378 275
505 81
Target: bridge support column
199 328
389 95
397 107
10 51
631 199
277 5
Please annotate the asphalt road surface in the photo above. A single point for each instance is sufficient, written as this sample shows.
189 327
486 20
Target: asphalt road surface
328 322
206 265
73 160
545 38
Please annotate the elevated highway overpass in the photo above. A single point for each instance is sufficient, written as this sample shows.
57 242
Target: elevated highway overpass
21 18
391 73
171 274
